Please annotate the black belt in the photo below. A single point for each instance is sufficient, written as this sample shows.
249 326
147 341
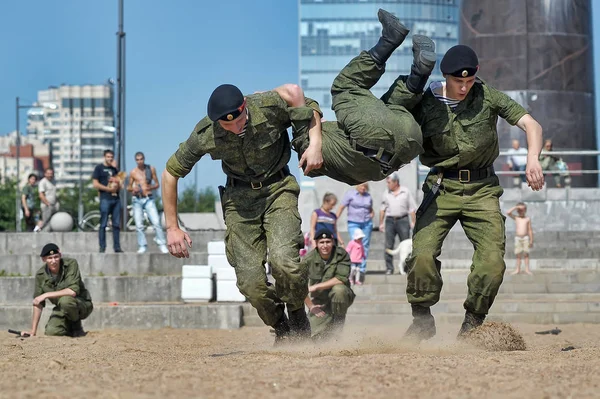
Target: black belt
383 157
396 217
149 196
278 176
467 175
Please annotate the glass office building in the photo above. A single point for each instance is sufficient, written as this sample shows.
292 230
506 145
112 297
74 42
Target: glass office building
332 32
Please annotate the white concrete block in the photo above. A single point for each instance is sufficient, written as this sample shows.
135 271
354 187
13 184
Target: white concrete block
196 271
196 283
216 248
227 291
225 274
218 262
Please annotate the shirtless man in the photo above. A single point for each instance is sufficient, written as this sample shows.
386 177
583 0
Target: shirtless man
523 237
142 182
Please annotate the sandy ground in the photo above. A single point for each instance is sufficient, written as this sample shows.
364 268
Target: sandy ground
368 362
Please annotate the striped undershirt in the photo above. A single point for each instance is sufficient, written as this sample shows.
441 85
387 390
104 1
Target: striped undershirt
243 133
437 88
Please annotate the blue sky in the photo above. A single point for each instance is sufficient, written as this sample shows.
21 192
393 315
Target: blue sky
177 53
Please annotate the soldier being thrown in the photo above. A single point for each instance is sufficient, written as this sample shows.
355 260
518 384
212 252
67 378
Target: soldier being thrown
371 139
260 201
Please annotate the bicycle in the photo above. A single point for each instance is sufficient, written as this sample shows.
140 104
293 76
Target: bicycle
91 221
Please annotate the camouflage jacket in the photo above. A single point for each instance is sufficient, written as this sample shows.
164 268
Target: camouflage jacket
259 154
319 271
68 277
466 137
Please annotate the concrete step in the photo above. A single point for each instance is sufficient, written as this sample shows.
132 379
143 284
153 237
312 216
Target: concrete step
543 311
109 264
87 242
378 266
136 316
546 277
123 289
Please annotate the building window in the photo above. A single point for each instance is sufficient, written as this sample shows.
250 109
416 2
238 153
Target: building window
87 103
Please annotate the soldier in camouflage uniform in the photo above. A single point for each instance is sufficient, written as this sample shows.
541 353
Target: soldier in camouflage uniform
330 293
260 201
59 281
458 118
370 139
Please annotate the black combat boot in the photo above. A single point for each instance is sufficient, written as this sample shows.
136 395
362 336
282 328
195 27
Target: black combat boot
77 329
471 321
423 325
282 331
299 324
393 34
423 63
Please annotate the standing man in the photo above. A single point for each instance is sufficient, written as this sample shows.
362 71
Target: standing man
517 160
260 200
142 182
105 181
59 281
397 205
48 198
458 118
28 203
330 294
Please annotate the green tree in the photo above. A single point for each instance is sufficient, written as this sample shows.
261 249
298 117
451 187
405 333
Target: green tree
192 200
69 199
7 205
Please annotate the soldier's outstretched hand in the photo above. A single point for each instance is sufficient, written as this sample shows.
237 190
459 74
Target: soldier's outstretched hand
178 242
534 174
312 157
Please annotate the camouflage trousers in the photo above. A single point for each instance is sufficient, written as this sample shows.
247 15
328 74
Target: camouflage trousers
476 206
338 299
67 312
258 220
363 122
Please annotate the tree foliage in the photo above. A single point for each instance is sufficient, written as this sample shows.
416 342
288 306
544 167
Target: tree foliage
192 200
7 205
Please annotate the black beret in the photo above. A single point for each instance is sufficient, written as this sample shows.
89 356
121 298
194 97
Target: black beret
460 61
226 103
49 249
323 233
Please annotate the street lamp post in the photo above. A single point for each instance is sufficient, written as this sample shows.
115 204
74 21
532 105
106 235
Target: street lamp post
18 107
18 155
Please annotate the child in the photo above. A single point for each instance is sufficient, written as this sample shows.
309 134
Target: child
324 217
356 250
523 237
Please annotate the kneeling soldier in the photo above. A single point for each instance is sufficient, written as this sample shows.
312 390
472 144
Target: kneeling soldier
60 282
330 294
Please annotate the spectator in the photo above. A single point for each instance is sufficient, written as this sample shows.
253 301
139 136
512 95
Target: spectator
552 163
330 294
523 235
397 205
517 160
360 216
28 203
357 254
106 182
142 182
47 193
324 218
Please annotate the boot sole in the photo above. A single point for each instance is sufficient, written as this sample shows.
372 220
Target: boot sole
428 58
401 29
423 43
